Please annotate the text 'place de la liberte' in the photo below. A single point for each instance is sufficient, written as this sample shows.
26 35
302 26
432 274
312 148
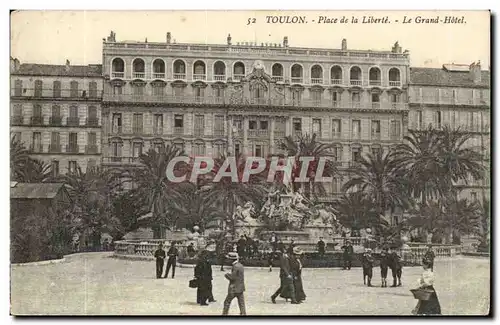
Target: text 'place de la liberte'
365 20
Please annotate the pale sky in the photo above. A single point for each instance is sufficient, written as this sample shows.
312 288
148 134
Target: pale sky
53 36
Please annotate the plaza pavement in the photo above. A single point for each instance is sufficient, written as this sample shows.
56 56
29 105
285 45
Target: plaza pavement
97 284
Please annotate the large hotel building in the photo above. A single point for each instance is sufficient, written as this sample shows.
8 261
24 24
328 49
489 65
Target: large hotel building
210 99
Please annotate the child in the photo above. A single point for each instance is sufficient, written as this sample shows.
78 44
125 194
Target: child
367 261
160 260
396 267
384 266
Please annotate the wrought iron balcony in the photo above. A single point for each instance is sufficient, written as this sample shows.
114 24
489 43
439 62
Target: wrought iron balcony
54 148
72 148
38 148
336 81
73 121
316 81
139 75
55 121
92 121
116 129
376 105
36 120
394 83
91 149
180 76
179 130
356 82
277 78
237 77
219 77
17 120
158 75
51 93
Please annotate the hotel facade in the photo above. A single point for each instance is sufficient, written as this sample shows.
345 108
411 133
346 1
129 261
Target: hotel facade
242 97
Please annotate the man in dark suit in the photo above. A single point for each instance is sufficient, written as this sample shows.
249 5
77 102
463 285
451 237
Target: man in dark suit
348 252
321 247
396 267
160 260
236 286
172 254
241 246
430 256
274 241
286 280
367 262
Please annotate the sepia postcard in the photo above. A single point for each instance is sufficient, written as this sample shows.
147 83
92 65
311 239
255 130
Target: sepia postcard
243 162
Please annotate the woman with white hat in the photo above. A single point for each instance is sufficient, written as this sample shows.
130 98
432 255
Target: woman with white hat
296 269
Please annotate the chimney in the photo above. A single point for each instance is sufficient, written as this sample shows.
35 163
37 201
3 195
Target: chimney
344 45
14 64
169 37
475 72
285 41
229 39
67 65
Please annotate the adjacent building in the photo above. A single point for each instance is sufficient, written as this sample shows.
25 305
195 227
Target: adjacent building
246 97
458 96
56 112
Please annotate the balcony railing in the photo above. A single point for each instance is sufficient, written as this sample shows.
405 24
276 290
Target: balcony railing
158 75
72 148
137 130
199 77
218 133
297 80
375 82
91 149
49 93
139 75
36 148
36 120
55 120
116 74
158 130
180 76
279 133
336 81
355 82
237 77
394 83
73 121
179 130
376 105
376 136
121 160
452 100
277 78
315 81
54 148
219 77
116 129
199 131
92 121
219 100
16 120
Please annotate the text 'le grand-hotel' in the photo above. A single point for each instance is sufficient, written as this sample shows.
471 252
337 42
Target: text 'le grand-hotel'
239 97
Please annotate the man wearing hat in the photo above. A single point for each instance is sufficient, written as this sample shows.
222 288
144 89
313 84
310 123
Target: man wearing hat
160 260
321 247
384 265
367 262
396 267
172 253
348 252
236 286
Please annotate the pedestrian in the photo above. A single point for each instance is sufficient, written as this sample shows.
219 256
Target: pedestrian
430 256
241 246
219 251
236 286
274 241
321 247
286 289
160 260
172 254
248 246
190 250
431 306
203 276
296 270
290 248
347 255
384 266
396 267
270 258
367 262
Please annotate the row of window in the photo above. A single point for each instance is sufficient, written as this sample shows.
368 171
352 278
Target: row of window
56 91
55 118
37 145
253 125
474 121
199 71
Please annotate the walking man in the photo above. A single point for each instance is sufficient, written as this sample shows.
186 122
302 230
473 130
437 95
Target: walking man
348 252
160 260
384 266
367 262
430 256
396 268
286 288
236 286
172 253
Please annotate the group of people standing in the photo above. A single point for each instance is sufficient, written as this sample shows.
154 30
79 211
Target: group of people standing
290 277
160 256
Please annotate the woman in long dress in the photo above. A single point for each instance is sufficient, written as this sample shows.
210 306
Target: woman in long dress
296 268
426 281
203 275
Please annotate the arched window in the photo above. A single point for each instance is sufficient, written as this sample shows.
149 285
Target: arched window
117 68
336 75
277 72
394 77
138 67
179 70
316 74
375 76
199 71
238 71
297 73
355 76
219 71
158 69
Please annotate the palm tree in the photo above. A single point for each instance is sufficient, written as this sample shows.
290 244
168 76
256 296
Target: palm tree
37 171
227 195
153 187
376 176
427 219
18 159
308 146
193 208
356 210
